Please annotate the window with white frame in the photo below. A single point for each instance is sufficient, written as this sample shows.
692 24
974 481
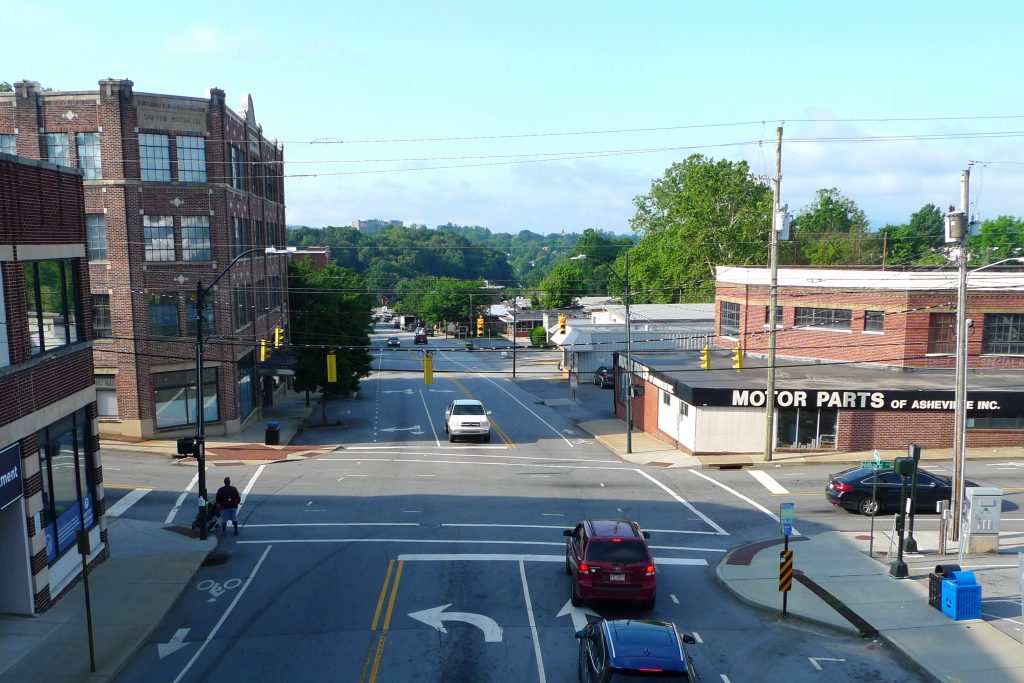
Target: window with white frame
684 408
666 398
154 157
8 144
874 321
57 149
191 159
89 155
1004 333
158 232
828 318
195 238
96 236
730 319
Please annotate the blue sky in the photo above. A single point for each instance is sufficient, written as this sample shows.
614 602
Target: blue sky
414 110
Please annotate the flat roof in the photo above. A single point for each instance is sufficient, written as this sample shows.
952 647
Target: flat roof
1008 278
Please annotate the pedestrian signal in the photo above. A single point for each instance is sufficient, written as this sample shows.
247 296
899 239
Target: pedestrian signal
705 358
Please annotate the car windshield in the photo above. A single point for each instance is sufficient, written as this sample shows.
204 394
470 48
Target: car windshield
470 409
626 676
626 552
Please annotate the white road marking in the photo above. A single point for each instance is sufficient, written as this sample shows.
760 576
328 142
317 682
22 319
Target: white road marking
436 616
426 475
725 679
429 419
479 557
250 484
678 498
552 514
601 484
815 660
742 497
550 526
309 503
266 526
131 498
176 642
696 636
466 452
674 598
224 617
533 624
696 550
768 482
413 512
181 499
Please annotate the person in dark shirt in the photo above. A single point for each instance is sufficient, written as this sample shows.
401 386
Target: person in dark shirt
228 500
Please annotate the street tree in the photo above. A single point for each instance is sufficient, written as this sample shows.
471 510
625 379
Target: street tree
563 285
833 231
998 238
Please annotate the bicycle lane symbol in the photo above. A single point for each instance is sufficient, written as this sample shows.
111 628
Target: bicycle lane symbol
217 589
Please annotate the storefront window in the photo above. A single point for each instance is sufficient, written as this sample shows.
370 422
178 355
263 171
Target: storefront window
175 394
807 428
65 462
246 385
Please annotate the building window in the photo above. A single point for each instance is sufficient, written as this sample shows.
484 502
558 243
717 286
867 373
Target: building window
163 314
1004 333
237 168
52 304
807 428
243 239
246 385
106 395
258 238
996 422
684 408
778 316
154 157
191 316
89 155
828 318
730 319
175 395
243 308
66 467
666 398
158 231
101 326
191 159
57 150
275 292
8 144
942 333
195 238
874 321
96 233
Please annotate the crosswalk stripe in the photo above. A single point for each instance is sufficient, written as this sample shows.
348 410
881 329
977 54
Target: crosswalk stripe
768 482
131 498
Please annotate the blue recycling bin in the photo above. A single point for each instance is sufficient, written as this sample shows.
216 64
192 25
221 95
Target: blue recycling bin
961 596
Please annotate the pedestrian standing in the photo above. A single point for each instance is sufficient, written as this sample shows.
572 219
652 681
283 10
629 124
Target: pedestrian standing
229 500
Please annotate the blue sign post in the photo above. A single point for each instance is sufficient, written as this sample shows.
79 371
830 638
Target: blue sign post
11 489
786 517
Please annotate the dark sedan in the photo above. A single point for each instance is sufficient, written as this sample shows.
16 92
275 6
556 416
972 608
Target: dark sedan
394 342
852 490
604 377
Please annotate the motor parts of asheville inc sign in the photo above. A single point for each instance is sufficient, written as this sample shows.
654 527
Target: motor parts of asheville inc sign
10 475
859 399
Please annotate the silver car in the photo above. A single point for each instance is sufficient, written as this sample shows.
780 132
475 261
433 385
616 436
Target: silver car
467 418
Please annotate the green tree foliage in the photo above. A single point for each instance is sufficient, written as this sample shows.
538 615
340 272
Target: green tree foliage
563 285
916 242
833 231
702 213
6 87
998 238
439 300
538 336
329 308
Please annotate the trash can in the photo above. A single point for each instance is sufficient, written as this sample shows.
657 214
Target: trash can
935 579
273 435
961 596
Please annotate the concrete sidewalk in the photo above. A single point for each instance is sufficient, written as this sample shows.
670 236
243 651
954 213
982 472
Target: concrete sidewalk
130 592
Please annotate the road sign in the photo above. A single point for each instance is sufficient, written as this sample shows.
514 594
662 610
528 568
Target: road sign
785 570
786 517
876 465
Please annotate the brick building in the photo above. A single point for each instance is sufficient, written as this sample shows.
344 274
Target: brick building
865 359
175 188
51 482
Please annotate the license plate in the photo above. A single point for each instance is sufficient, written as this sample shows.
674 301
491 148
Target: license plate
616 577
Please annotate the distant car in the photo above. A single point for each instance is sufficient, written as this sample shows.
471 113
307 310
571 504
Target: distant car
608 559
604 376
634 650
467 418
397 325
420 338
394 341
851 490
429 331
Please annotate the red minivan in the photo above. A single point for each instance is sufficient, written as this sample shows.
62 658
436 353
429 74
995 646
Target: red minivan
610 560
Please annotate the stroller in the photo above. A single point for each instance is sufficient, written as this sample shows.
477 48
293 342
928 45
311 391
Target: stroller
212 519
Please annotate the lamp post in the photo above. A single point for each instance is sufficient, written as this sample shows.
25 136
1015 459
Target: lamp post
199 446
628 368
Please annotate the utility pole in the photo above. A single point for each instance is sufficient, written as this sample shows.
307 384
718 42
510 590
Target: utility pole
629 369
773 257
960 408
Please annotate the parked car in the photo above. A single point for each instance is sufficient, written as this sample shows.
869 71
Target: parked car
851 490
467 418
420 338
394 341
429 331
634 650
608 559
604 376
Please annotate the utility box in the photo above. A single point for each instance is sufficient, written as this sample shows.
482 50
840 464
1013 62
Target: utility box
982 511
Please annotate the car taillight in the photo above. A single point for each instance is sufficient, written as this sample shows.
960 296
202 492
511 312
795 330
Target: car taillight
584 567
841 486
650 570
650 670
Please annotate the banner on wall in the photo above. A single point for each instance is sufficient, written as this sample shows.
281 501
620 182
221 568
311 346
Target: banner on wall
11 489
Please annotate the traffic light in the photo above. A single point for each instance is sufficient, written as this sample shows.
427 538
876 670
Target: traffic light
264 350
705 358
332 367
278 337
428 369
737 358
562 319
480 326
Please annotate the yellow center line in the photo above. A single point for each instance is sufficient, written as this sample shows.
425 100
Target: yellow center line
387 623
501 433
383 593
125 486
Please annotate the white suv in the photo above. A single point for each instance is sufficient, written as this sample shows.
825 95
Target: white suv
467 417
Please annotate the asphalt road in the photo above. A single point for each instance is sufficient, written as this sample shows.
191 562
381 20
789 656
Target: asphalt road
345 561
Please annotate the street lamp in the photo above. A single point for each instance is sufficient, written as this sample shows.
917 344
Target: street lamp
629 378
199 445
960 417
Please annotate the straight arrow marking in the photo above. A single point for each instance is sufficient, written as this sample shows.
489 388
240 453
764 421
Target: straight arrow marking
578 614
176 643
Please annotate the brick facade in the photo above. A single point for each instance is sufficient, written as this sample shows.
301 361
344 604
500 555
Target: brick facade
248 186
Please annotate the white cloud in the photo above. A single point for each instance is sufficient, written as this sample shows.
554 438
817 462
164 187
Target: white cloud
199 40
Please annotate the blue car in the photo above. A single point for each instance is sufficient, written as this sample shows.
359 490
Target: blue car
623 650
